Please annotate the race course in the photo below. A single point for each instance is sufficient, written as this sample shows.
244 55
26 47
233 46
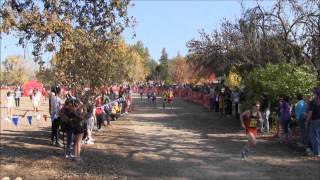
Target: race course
151 143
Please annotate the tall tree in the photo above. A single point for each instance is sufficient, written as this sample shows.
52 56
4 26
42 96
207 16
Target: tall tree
286 32
76 30
164 57
15 71
164 61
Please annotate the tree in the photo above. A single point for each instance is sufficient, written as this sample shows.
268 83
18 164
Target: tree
15 71
77 31
182 72
287 32
164 57
46 76
164 62
152 65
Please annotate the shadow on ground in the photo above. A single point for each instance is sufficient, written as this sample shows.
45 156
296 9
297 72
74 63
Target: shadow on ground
188 143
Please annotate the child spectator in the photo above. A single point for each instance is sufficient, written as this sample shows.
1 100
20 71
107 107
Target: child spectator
115 111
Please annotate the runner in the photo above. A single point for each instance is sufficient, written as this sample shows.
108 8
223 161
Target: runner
36 101
249 120
170 97
10 101
149 93
154 96
141 92
164 98
129 101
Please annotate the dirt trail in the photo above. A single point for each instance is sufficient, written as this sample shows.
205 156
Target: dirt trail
151 143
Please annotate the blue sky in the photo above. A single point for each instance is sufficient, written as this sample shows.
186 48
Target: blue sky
163 24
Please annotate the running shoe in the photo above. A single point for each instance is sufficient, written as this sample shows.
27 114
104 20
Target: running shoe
78 159
90 142
68 156
300 145
58 144
244 154
309 152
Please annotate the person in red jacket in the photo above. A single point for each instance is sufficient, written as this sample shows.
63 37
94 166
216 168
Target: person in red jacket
99 112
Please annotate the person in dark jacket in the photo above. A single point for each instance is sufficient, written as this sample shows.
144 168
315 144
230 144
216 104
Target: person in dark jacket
78 125
66 126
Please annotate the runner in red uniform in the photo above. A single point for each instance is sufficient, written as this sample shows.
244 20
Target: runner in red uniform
250 120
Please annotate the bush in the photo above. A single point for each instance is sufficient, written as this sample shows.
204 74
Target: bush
279 79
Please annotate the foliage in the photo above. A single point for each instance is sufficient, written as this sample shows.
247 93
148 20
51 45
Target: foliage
100 63
164 60
15 71
49 24
233 79
286 32
46 76
179 70
83 35
278 80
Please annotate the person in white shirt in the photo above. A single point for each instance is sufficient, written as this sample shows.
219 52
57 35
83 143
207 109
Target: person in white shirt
236 99
10 101
55 105
36 101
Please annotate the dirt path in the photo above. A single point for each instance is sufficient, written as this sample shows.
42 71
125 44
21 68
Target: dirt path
151 143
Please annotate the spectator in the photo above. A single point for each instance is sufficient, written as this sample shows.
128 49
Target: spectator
99 112
56 105
314 118
211 95
285 119
66 126
17 96
301 110
265 109
228 101
78 126
236 99
222 101
216 100
90 123
115 111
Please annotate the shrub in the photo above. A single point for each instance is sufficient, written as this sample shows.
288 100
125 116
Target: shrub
279 79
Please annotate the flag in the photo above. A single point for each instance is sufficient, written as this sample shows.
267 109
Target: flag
29 118
15 120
